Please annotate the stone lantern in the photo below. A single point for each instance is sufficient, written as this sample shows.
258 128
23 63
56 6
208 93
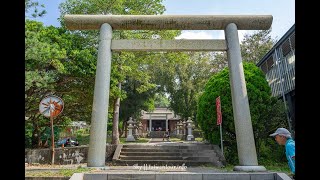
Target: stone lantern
130 127
184 127
178 128
135 129
190 137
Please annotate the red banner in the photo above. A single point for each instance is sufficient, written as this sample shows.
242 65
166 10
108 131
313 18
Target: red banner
219 115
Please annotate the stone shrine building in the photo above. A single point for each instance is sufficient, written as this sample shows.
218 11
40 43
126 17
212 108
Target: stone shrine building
159 120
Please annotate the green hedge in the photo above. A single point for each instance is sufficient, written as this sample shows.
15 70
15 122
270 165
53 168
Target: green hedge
267 113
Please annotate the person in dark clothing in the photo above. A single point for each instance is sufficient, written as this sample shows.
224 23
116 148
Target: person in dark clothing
166 135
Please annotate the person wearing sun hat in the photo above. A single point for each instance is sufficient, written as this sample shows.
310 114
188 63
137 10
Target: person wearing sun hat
283 137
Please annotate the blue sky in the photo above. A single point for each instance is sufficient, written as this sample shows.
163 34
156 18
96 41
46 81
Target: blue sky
283 12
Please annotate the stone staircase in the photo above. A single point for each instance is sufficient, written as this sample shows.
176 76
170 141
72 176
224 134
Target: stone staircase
170 154
156 134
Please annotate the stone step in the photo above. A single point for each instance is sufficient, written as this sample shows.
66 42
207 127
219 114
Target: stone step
191 154
165 150
190 147
177 172
166 163
198 159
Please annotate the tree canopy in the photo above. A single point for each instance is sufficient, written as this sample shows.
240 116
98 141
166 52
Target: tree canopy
56 62
267 113
63 62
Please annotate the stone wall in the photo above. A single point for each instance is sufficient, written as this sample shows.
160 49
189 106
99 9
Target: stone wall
66 155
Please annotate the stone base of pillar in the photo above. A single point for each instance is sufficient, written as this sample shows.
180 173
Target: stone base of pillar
250 168
190 138
130 138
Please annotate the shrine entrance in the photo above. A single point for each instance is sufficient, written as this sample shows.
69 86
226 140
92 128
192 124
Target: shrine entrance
229 23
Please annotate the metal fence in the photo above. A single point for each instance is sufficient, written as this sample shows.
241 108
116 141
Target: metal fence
281 73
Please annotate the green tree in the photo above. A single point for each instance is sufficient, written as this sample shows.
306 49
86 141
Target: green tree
220 61
126 66
253 48
37 10
42 68
134 102
161 100
56 62
182 75
266 111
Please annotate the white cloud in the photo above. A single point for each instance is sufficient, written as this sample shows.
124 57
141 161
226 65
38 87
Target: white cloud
213 34
195 35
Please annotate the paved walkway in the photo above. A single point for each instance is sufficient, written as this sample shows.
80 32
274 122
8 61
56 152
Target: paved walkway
160 140
128 169
109 169
157 140
168 170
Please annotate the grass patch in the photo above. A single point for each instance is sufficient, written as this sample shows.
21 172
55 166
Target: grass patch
43 174
84 139
140 140
179 140
228 167
60 173
175 140
70 172
277 167
273 167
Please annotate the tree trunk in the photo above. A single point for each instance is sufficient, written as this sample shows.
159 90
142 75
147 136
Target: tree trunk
125 129
120 132
115 122
35 139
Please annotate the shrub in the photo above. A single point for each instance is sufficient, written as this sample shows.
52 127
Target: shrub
267 113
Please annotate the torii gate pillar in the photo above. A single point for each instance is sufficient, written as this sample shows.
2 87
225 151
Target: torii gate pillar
99 118
240 103
229 23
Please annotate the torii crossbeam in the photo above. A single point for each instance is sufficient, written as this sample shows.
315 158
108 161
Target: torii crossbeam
229 23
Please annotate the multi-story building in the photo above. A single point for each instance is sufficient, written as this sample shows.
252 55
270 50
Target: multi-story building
279 67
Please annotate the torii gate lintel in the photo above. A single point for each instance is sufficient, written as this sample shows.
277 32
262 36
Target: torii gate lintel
229 23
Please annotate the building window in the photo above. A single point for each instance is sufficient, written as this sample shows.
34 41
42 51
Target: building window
285 47
270 63
264 68
293 41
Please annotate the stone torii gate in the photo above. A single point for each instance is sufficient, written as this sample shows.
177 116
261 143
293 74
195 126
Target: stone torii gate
229 23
